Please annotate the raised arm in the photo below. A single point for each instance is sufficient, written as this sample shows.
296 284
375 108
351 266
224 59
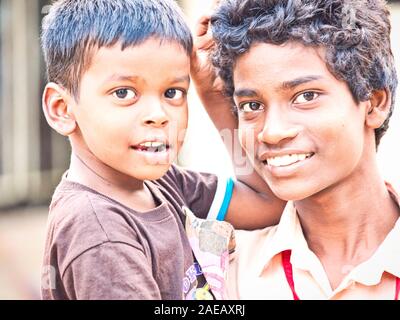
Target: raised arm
253 205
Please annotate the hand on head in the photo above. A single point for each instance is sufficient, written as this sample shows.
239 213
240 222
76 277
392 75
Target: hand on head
202 71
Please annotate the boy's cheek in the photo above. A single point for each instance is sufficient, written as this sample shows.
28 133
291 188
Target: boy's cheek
248 139
176 133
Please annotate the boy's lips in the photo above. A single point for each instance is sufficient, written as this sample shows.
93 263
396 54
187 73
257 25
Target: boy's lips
152 146
154 152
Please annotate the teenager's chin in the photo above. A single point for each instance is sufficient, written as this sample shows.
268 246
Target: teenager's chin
294 192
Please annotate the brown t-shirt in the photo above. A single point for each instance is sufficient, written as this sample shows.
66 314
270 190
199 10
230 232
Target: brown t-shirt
97 248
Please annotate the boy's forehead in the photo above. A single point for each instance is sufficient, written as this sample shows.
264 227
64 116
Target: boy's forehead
93 51
287 53
289 60
288 56
143 47
116 63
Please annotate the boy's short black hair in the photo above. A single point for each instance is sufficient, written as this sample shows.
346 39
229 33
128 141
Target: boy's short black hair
355 34
73 29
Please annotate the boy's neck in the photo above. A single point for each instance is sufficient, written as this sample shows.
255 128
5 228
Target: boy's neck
86 169
346 224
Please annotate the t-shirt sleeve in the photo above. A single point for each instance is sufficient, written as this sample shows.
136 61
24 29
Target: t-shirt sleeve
112 270
206 194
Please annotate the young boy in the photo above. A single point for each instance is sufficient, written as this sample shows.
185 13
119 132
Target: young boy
119 76
314 83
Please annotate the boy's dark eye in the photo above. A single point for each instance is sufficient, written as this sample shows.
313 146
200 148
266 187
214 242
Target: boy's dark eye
251 107
174 94
306 97
124 94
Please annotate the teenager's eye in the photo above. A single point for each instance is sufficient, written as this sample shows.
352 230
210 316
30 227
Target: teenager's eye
306 97
251 107
124 94
174 94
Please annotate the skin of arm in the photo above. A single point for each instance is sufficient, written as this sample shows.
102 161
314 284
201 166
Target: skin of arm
250 188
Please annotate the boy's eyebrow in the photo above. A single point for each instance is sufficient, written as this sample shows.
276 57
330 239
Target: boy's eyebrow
291 84
245 93
119 77
286 85
185 78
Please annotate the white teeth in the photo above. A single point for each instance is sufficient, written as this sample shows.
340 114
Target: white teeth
146 144
155 144
287 160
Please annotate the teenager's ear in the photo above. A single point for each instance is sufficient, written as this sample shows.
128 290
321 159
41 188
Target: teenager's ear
378 108
56 109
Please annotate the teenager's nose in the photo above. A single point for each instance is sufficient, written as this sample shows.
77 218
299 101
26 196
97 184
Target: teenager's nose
155 116
277 128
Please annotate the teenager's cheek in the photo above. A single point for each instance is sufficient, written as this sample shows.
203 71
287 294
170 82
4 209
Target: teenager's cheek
248 140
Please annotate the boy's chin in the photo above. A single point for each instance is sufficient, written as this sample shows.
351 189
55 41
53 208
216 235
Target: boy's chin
152 172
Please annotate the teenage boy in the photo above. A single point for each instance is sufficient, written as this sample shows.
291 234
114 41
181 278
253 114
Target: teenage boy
313 82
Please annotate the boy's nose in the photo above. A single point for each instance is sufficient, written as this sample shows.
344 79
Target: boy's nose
277 129
156 117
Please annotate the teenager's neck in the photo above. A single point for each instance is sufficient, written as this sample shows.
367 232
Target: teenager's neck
349 220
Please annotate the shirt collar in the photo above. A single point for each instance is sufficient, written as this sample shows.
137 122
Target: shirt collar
288 235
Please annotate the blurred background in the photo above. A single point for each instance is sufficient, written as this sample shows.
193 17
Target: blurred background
33 158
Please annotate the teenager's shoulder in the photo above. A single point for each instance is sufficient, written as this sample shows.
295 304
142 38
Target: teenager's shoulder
248 242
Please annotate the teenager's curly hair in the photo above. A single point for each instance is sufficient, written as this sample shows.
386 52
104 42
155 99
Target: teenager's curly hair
355 33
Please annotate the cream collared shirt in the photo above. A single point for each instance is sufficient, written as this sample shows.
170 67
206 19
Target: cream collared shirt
256 271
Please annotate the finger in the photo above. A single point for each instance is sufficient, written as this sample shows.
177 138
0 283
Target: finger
204 40
202 25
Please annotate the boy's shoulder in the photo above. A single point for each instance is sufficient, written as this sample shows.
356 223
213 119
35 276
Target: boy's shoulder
176 176
81 218
186 181
195 190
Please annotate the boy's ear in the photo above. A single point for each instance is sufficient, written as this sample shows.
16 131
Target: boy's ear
56 109
378 108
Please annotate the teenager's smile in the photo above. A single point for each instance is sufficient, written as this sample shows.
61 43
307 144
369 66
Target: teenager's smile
285 162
